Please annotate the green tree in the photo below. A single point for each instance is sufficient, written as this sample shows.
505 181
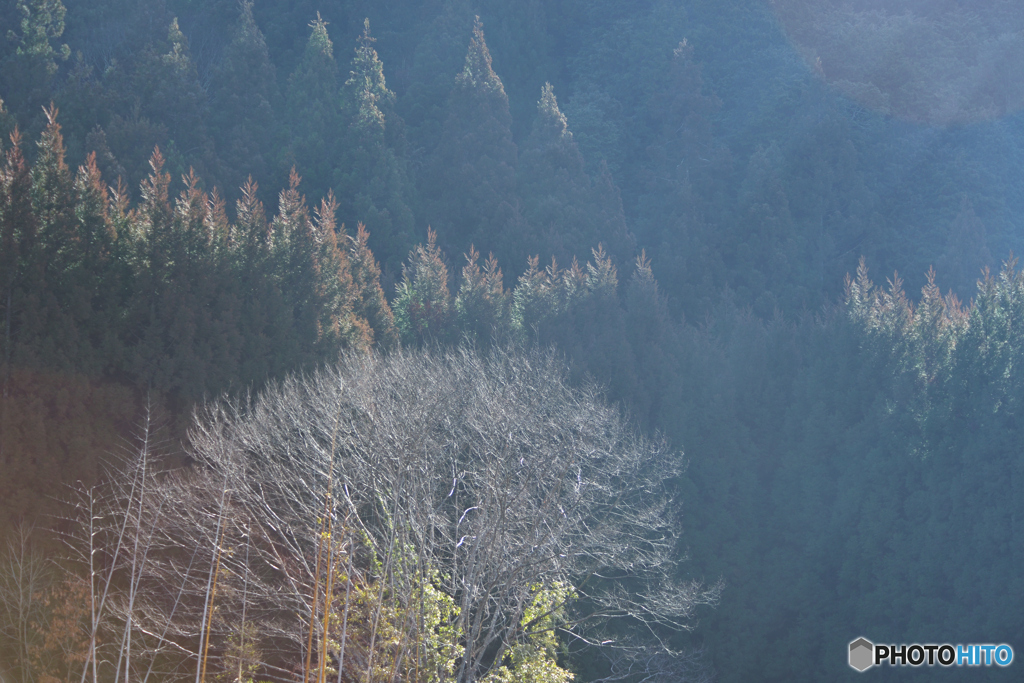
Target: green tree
371 304
28 71
312 110
681 195
243 96
373 179
482 304
422 303
20 263
966 252
566 211
260 302
473 187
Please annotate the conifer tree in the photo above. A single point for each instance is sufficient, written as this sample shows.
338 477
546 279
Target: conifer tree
654 339
313 112
26 74
60 343
99 270
371 304
202 328
316 286
473 187
422 305
579 311
681 193
684 153
482 304
293 255
966 251
437 59
566 211
341 298
260 303
53 197
244 94
151 361
6 121
170 90
20 263
372 179
766 241
542 295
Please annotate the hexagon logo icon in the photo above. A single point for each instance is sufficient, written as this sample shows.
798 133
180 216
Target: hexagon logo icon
862 654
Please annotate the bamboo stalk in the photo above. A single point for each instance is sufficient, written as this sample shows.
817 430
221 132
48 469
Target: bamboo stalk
209 614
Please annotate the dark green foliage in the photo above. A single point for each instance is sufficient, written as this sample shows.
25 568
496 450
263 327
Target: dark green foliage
170 298
32 28
482 304
422 303
312 105
19 260
967 251
244 88
371 304
372 174
472 188
566 211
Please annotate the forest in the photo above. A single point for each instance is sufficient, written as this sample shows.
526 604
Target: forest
533 341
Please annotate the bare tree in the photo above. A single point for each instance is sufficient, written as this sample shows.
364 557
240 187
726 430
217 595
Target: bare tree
24 575
395 517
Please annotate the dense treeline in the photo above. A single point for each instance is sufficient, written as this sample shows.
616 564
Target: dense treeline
743 176
851 454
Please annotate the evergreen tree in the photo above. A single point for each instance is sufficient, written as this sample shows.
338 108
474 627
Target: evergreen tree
372 178
566 211
542 294
440 52
170 91
653 338
682 195
313 111
422 305
766 241
966 251
482 304
341 297
293 255
6 121
371 304
244 93
97 299
20 263
473 187
25 74
260 302
59 343
151 361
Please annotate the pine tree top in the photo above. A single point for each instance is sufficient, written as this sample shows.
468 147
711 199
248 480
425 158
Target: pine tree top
179 55
477 72
319 42
247 30
366 87
550 119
